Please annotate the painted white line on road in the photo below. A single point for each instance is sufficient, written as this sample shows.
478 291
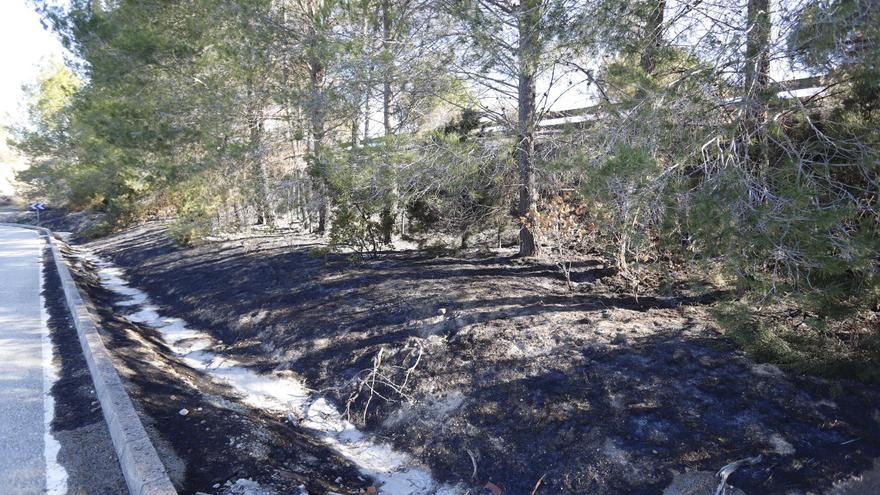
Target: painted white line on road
56 475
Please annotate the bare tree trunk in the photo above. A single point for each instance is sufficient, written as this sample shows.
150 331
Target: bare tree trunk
355 132
757 80
388 211
304 198
386 72
757 46
368 81
528 52
316 79
622 247
368 93
654 31
259 173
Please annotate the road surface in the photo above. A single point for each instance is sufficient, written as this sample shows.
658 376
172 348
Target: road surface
28 451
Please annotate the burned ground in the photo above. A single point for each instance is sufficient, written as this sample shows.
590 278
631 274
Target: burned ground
219 440
509 377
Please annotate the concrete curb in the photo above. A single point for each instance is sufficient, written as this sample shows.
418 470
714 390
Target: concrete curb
143 470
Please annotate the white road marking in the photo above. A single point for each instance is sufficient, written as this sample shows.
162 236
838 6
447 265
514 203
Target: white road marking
56 475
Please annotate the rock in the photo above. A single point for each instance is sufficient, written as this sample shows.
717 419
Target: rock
780 445
706 361
563 439
866 483
698 483
614 453
680 356
767 369
441 311
183 412
246 487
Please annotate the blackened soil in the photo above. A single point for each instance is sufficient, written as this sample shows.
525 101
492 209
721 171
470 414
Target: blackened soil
591 392
86 449
219 439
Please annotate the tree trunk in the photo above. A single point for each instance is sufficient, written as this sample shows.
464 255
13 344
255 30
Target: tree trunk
388 211
368 93
757 80
355 128
316 80
368 79
654 32
259 173
528 52
386 71
757 46
324 210
622 247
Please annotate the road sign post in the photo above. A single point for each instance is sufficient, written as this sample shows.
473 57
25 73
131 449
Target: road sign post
37 207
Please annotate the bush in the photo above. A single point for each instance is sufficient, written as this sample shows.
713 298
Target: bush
563 228
193 223
355 229
803 342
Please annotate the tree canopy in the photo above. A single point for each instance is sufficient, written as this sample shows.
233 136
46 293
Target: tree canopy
683 131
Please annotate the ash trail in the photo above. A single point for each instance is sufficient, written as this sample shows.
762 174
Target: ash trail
395 472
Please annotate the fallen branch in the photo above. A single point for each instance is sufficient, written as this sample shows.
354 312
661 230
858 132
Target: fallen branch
375 377
727 470
474 462
538 484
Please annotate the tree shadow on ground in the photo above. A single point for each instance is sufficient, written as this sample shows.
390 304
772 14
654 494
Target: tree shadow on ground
593 414
623 419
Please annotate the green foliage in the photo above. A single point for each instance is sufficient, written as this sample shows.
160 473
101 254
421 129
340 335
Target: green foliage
190 225
466 188
807 245
319 252
101 229
804 343
463 124
212 112
46 137
624 196
355 229
154 112
361 182
7 154
194 202
49 123
842 37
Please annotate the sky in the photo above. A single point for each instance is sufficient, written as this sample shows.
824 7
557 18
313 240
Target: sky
25 45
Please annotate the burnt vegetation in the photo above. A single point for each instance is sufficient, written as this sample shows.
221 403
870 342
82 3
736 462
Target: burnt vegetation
527 215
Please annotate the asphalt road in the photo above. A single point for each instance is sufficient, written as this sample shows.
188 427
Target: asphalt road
23 381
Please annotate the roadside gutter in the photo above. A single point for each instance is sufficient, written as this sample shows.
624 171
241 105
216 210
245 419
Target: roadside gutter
143 470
